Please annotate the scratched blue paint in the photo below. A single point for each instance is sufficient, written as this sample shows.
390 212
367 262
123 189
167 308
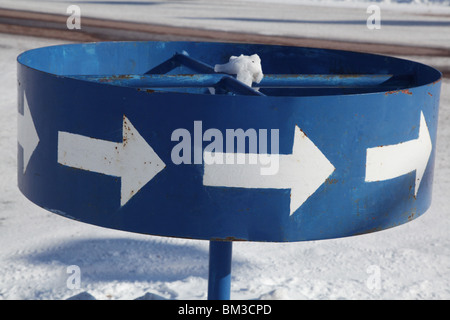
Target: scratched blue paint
342 122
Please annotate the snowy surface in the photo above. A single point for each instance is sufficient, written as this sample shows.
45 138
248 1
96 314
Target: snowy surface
343 20
37 247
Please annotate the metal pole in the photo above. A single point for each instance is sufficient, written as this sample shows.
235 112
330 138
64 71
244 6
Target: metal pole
219 280
269 80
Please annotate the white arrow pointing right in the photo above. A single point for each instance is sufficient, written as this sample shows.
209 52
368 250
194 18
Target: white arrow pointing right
26 133
133 159
303 171
388 162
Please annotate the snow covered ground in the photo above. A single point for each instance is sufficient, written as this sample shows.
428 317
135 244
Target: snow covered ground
342 20
411 261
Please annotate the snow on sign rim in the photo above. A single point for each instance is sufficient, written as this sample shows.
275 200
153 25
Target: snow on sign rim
124 154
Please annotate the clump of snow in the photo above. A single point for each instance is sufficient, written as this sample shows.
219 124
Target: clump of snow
246 68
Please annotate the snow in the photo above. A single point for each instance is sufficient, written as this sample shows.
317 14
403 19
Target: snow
411 261
327 19
401 4
246 68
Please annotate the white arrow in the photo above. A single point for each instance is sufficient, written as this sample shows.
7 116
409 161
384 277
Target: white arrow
303 171
133 160
26 133
388 162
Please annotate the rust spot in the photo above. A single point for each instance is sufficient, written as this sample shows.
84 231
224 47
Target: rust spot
228 239
438 80
430 94
405 91
191 75
122 76
331 181
146 90
303 131
115 77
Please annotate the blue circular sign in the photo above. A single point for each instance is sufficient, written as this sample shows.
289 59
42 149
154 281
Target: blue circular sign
146 137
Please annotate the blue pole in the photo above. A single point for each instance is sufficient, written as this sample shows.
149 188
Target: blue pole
219 280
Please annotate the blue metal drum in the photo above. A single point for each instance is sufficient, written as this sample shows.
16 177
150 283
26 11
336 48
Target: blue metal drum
146 137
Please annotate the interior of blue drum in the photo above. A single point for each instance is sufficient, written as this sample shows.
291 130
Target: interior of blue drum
105 62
